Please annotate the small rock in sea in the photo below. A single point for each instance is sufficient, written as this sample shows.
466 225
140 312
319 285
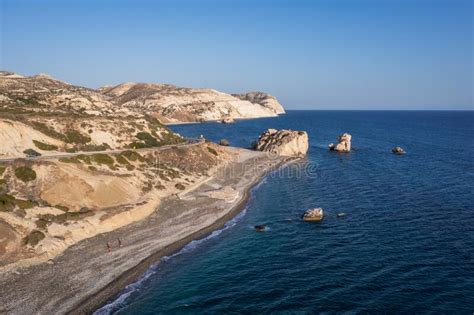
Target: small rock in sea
260 228
343 145
315 214
398 150
341 214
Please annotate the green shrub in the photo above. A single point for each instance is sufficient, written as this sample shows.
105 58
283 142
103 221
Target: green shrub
133 156
2 170
130 167
31 152
25 174
71 159
41 224
7 203
212 151
26 204
101 158
137 145
61 207
84 158
44 146
122 160
3 185
147 138
71 150
180 186
170 138
92 168
74 136
48 131
96 147
34 238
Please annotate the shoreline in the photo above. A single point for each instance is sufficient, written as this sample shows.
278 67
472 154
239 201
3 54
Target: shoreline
85 276
94 302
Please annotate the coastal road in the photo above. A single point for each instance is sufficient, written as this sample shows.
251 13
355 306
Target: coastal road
188 143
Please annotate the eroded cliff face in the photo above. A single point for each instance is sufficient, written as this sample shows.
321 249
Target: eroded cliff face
176 104
168 103
264 99
283 142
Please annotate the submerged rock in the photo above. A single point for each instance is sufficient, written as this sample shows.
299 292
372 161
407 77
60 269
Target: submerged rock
315 214
343 145
283 142
260 228
398 150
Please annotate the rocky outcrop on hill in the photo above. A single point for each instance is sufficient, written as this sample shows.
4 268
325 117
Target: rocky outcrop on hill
343 145
283 142
263 99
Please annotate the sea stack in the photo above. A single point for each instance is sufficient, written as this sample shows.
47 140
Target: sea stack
283 142
313 215
343 145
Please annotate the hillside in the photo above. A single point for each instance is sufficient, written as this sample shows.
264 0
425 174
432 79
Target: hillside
42 94
177 104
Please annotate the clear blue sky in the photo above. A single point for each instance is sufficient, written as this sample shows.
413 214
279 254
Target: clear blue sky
327 54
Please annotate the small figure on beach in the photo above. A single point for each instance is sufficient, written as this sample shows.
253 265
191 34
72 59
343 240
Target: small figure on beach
109 249
119 242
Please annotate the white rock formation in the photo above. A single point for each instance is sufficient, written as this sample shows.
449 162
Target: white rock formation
264 99
315 214
177 104
343 145
283 142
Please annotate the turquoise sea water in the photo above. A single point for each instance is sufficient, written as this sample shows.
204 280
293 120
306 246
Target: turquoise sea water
406 244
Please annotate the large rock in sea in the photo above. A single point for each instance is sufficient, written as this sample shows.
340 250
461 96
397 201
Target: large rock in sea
283 142
315 214
343 145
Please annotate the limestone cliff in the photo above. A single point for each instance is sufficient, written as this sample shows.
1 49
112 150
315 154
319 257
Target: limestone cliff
263 99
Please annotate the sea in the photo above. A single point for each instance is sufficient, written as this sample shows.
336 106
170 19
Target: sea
405 243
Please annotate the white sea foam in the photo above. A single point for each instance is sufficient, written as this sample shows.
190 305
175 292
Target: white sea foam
120 301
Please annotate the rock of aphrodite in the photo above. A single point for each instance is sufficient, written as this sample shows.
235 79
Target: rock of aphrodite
343 145
315 214
398 150
283 142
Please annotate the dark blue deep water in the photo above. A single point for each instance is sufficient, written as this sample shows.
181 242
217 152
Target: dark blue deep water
405 246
